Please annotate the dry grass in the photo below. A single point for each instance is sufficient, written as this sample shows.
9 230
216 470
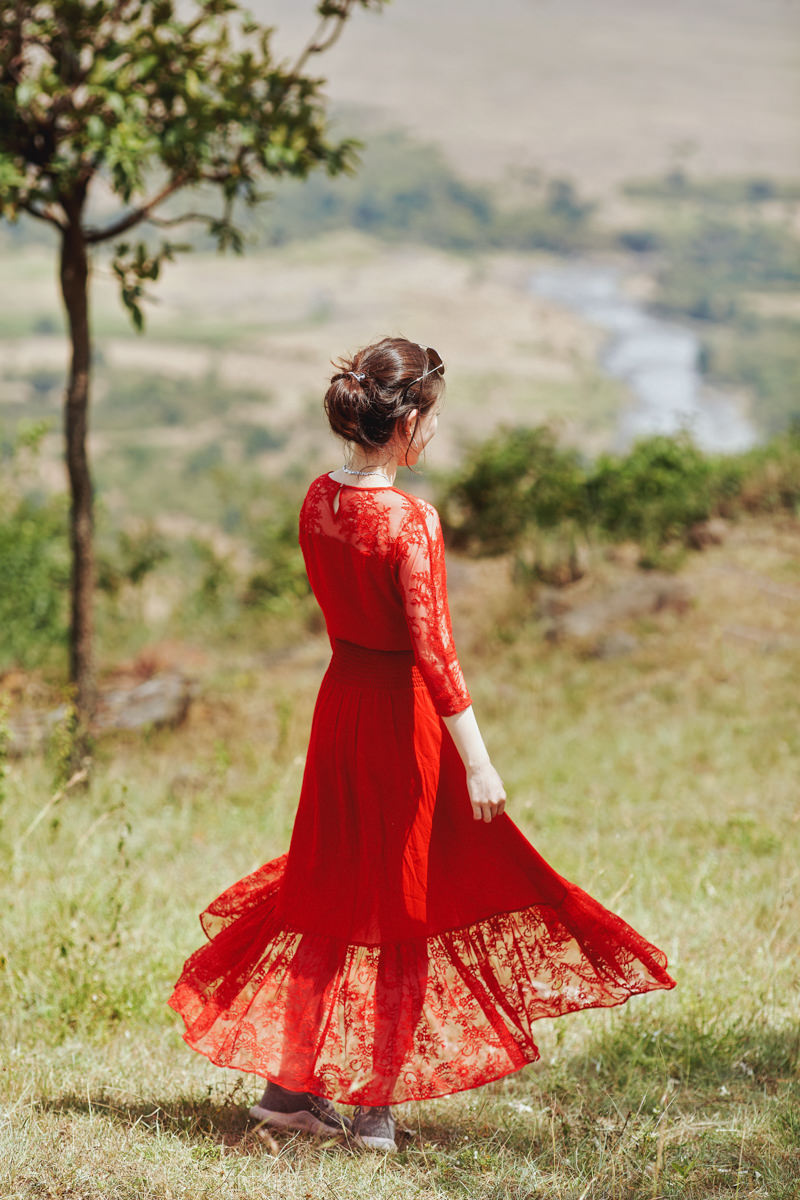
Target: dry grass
268 326
559 86
664 782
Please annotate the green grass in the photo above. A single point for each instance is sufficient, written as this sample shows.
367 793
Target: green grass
665 783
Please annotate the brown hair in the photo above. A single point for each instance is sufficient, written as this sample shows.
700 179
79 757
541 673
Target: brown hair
379 386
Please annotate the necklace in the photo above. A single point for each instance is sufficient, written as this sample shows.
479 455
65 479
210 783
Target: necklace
373 471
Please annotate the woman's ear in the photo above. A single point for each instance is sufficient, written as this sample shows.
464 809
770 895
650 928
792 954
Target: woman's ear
410 423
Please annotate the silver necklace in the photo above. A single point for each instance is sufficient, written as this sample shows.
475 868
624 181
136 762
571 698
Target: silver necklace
383 475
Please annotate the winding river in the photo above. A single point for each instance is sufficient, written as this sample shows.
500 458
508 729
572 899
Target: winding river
656 358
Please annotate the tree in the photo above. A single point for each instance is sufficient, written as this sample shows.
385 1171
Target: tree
149 100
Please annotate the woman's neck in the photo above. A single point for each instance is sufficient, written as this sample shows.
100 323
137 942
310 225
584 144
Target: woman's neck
371 464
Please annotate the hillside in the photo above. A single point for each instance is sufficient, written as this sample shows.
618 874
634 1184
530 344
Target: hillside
598 92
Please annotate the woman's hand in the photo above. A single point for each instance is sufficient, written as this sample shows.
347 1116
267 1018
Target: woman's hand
486 792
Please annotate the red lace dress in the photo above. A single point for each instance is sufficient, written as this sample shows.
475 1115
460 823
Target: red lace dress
401 949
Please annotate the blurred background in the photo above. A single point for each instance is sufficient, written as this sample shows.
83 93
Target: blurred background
594 217
592 211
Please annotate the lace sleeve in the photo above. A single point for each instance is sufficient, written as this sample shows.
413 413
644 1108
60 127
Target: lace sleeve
422 580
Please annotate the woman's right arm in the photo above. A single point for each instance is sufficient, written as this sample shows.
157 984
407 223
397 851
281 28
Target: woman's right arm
486 791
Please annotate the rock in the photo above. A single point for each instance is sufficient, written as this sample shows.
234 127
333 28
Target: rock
29 730
588 623
707 533
162 700
552 603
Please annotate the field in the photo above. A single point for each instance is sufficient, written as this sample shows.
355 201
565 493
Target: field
557 87
661 776
664 781
237 352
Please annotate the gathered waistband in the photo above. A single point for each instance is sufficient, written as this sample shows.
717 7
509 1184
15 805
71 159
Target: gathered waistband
352 663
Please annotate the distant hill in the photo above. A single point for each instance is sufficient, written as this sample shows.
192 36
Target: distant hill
600 91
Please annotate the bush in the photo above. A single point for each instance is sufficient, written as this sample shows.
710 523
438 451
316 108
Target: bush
258 439
518 479
264 522
521 492
769 476
134 556
654 494
34 565
640 241
281 579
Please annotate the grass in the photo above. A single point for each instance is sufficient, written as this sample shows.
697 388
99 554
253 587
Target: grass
664 782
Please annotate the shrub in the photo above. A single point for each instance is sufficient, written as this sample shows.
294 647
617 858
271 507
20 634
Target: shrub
33 561
769 479
522 493
280 579
654 494
134 556
518 479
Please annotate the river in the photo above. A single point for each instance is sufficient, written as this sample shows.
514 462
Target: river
656 358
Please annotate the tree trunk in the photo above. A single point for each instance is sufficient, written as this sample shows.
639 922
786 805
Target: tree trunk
74 288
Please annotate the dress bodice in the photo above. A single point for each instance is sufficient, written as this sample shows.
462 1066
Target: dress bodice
375 561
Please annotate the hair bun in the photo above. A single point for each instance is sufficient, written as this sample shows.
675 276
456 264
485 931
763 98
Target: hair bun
377 387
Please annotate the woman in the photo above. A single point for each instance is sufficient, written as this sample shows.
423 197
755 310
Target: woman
405 945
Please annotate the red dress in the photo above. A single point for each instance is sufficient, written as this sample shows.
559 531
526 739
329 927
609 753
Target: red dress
401 949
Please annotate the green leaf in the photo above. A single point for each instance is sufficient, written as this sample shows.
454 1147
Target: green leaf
116 103
148 91
95 128
26 93
145 66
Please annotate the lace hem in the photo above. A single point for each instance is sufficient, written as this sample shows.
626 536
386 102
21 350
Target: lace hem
410 1020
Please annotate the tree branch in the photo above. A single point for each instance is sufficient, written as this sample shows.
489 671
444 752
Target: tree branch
43 214
215 176
319 41
139 214
165 222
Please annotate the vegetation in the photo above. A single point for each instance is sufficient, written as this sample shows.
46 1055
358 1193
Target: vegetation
713 265
237 560
138 402
763 357
677 185
521 483
407 191
664 782
33 558
229 515
152 101
721 248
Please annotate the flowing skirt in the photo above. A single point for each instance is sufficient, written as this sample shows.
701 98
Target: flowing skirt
400 950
